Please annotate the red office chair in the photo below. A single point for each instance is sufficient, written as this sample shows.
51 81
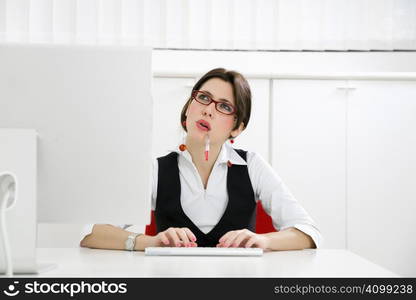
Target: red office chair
264 222
151 228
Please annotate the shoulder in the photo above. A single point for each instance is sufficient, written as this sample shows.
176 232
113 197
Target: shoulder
255 158
169 156
168 161
259 167
252 158
255 162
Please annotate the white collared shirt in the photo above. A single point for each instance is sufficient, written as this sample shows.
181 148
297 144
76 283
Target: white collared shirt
205 207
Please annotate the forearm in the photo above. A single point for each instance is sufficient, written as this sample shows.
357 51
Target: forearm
289 239
105 236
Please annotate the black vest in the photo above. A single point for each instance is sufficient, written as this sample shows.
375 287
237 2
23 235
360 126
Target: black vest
240 212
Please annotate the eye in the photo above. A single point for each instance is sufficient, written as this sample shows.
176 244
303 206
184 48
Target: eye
203 97
226 107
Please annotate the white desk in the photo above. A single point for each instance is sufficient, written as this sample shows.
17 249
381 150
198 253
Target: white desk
84 262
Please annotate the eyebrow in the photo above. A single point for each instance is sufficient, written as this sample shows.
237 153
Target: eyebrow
213 96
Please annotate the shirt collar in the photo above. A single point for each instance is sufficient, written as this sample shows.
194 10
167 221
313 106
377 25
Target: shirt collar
227 153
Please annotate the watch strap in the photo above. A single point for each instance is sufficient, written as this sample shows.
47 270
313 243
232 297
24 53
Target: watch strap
131 241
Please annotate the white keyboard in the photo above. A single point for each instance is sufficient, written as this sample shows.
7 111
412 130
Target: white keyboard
202 251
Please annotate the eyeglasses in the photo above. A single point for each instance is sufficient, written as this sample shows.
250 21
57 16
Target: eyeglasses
205 99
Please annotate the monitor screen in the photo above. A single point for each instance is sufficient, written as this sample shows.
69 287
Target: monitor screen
91 107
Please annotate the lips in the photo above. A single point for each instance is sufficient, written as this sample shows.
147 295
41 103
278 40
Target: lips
203 125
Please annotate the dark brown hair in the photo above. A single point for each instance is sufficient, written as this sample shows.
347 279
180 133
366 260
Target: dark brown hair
241 92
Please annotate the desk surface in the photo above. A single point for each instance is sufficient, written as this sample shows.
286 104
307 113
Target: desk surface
84 262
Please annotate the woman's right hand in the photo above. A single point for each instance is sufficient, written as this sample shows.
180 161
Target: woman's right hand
175 237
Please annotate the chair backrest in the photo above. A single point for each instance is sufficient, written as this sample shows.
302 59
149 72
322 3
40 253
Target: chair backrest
264 223
151 228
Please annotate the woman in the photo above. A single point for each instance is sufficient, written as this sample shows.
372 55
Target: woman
205 193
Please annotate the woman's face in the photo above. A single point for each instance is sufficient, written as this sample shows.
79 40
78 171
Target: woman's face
220 124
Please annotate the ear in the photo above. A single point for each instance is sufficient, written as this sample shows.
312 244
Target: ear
237 131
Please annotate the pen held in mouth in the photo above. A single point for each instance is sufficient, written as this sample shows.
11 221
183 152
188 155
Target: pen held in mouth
206 147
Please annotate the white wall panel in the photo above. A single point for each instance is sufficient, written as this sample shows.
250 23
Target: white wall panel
308 144
382 173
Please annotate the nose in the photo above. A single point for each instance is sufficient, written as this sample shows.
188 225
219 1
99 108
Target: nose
208 109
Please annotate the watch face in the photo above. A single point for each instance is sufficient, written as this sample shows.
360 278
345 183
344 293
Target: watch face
129 243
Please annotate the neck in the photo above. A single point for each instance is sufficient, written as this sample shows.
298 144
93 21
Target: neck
197 150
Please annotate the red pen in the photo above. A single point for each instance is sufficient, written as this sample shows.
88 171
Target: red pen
206 147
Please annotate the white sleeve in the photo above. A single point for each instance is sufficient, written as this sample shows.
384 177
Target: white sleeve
277 200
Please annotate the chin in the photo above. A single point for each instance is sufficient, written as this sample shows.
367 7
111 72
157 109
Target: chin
196 136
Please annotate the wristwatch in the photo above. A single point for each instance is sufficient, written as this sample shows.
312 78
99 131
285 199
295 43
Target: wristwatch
131 241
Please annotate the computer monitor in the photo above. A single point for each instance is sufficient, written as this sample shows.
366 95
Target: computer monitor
91 107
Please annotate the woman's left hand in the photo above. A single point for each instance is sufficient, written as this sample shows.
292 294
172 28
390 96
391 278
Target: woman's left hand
243 238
